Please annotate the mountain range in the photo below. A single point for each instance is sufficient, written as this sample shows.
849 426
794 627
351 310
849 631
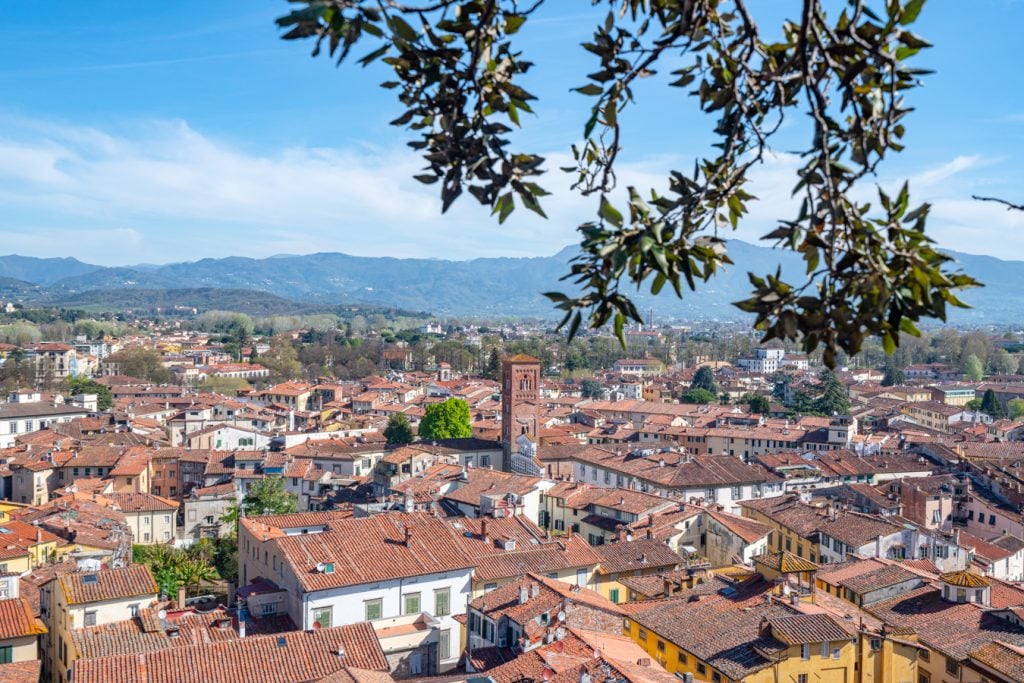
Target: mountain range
484 287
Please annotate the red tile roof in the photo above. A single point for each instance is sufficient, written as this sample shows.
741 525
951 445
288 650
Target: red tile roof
17 620
109 584
21 672
294 657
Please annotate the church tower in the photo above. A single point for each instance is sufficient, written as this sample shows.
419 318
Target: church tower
520 400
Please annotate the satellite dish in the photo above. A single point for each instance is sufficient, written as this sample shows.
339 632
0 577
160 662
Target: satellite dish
320 566
162 614
561 616
785 589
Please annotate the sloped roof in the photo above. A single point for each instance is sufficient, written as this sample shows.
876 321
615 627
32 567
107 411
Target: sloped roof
786 562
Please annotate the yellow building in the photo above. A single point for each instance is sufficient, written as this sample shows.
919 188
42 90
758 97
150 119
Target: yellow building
7 507
24 547
19 628
767 629
792 524
644 557
82 599
968 639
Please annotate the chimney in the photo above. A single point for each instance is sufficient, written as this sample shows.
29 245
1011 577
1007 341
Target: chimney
39 535
668 587
408 537
524 594
650 532
181 597
483 530
534 589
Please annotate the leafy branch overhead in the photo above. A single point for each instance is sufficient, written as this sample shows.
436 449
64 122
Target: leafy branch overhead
870 270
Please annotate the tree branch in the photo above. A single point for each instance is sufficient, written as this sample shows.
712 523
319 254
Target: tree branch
1010 206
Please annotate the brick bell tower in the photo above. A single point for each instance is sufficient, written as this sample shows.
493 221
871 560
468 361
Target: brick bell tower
520 400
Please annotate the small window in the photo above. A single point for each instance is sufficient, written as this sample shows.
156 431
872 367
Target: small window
412 603
442 602
801 678
702 670
444 644
876 644
805 651
90 617
681 657
642 634
323 616
661 645
372 609
952 666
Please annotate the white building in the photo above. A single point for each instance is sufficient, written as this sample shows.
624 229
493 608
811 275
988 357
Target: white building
391 570
26 413
707 478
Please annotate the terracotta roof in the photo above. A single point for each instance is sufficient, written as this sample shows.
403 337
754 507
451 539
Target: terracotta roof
723 631
21 672
1006 659
17 620
747 529
372 549
141 502
954 629
644 553
292 657
879 578
108 584
798 629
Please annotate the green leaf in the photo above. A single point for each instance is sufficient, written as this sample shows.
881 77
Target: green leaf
910 12
590 89
402 29
610 213
513 23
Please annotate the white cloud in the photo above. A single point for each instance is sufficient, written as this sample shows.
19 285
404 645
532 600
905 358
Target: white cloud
161 191
934 176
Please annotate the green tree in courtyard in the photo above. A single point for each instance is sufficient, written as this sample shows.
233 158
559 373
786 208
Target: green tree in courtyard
84 385
704 379
697 395
268 496
398 431
990 404
833 399
447 420
973 368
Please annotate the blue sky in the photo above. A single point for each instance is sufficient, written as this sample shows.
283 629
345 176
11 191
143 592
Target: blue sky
159 132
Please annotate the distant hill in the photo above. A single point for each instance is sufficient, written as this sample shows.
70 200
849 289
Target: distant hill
43 271
203 299
484 287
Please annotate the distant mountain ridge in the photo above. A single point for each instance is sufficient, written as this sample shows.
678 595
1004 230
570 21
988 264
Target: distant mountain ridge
484 286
